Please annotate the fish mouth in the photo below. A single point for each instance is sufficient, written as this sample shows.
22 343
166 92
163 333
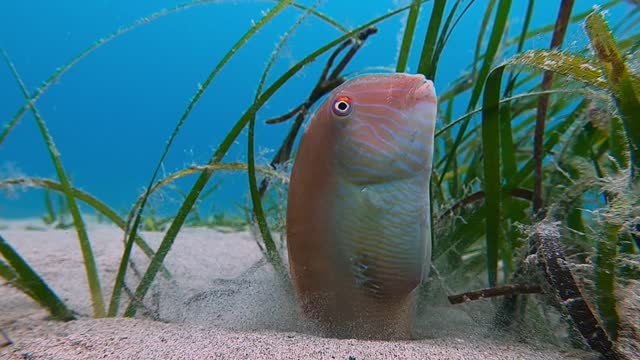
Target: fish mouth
425 92
425 106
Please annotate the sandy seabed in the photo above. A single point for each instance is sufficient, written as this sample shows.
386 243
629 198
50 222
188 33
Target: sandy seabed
223 303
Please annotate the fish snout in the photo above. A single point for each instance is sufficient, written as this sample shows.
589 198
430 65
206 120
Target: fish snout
425 92
424 104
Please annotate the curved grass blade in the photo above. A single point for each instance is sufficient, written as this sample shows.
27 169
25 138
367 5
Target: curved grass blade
627 98
32 284
549 28
462 237
194 100
88 199
552 139
137 210
201 182
507 146
313 11
271 252
7 273
66 67
480 39
429 44
447 30
173 231
605 271
491 123
508 154
407 37
50 215
463 83
626 90
454 185
85 245
574 66
502 101
497 31
525 25
212 168
509 168
113 216
145 20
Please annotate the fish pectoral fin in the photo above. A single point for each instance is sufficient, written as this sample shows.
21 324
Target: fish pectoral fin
378 280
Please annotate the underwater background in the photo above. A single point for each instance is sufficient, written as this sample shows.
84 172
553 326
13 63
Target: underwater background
535 181
113 112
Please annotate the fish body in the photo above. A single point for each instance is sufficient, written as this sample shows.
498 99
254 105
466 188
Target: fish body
358 231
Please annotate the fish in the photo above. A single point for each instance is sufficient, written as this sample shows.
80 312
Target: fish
358 219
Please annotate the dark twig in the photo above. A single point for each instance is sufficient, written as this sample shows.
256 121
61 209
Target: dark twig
495 291
519 193
565 289
559 31
7 340
326 83
545 243
287 116
546 263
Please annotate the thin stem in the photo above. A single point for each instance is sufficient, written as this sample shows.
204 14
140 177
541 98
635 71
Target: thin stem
88 258
325 84
493 292
559 32
523 194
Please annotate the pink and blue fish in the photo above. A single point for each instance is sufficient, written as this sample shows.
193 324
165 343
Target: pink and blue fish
358 226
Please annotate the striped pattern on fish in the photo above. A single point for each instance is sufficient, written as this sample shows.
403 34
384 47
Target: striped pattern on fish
358 231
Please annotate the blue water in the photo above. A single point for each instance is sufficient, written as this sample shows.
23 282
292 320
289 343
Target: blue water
113 112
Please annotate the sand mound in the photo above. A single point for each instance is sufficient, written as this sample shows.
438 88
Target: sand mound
223 302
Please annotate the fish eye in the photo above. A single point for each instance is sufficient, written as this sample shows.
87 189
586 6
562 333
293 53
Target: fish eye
342 106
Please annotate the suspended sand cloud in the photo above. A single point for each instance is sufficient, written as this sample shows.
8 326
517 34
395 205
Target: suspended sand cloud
223 301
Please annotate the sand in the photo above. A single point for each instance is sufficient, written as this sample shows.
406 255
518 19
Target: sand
223 303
